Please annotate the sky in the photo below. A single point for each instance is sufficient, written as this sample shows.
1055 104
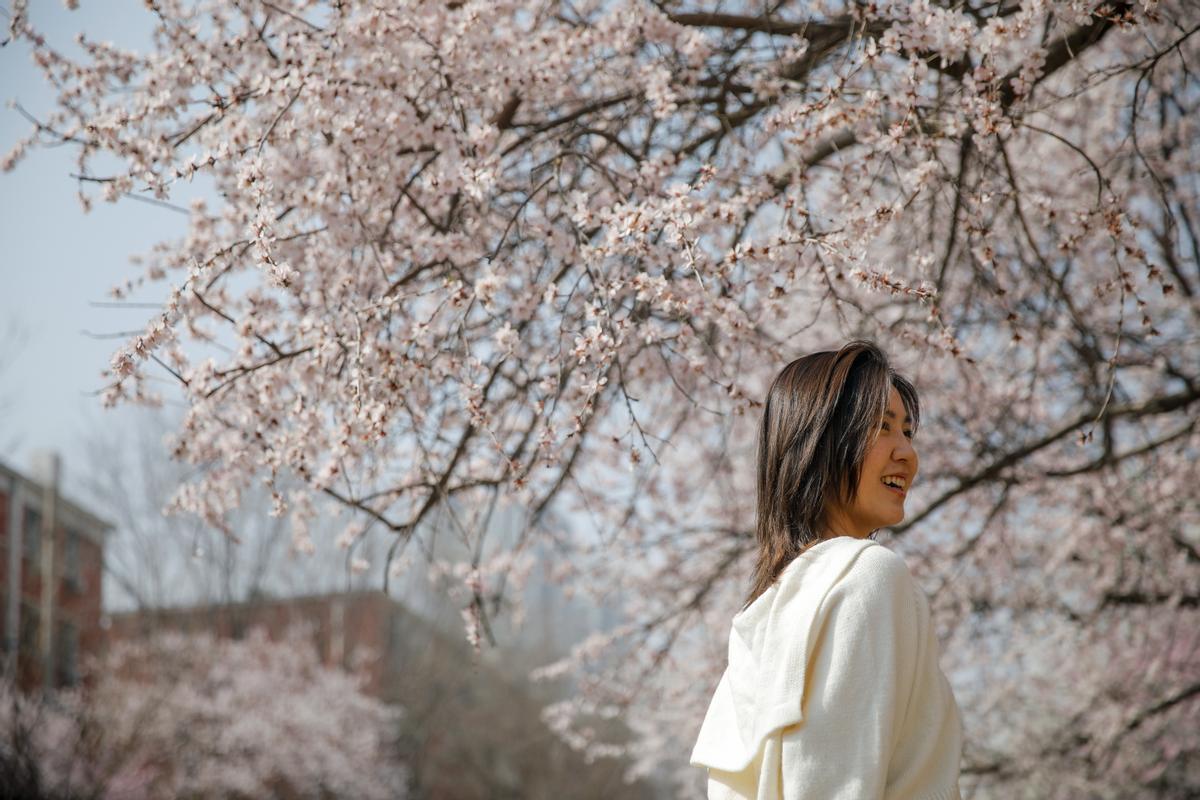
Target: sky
58 263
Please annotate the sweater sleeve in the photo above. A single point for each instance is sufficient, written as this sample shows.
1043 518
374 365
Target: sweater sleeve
873 667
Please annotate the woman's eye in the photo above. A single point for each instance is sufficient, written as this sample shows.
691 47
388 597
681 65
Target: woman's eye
909 434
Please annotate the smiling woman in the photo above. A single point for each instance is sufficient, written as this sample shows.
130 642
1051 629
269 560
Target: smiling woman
833 687
888 469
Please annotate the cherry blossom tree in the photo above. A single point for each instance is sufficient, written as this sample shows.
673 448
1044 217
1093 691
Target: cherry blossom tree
547 254
189 715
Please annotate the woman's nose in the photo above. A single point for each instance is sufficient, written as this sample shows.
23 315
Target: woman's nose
905 451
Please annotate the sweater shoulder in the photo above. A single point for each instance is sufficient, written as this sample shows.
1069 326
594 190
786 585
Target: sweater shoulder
877 573
882 563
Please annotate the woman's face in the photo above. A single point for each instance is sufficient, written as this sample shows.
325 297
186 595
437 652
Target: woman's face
891 459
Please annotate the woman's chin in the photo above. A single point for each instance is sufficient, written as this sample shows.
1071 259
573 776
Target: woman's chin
891 517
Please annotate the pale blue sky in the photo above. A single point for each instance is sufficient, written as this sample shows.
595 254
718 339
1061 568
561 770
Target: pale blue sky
56 261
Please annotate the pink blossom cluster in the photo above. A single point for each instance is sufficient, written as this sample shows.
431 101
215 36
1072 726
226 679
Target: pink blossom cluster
189 715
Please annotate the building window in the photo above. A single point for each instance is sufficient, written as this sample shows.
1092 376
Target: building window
67 654
28 654
71 572
28 627
31 534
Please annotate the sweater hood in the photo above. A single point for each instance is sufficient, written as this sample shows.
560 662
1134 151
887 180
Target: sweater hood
770 642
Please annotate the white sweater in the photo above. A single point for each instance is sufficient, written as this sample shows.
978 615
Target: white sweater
833 689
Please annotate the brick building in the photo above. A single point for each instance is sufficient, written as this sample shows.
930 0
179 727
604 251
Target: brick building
51 559
344 624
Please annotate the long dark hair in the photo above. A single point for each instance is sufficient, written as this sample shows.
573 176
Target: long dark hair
821 414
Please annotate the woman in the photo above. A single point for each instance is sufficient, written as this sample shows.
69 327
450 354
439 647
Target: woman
833 689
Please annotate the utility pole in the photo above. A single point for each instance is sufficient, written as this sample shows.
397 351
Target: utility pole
49 506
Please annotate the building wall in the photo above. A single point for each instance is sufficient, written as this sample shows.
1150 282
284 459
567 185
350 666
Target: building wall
75 601
345 627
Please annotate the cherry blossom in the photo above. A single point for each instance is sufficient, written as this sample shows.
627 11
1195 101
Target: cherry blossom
190 715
